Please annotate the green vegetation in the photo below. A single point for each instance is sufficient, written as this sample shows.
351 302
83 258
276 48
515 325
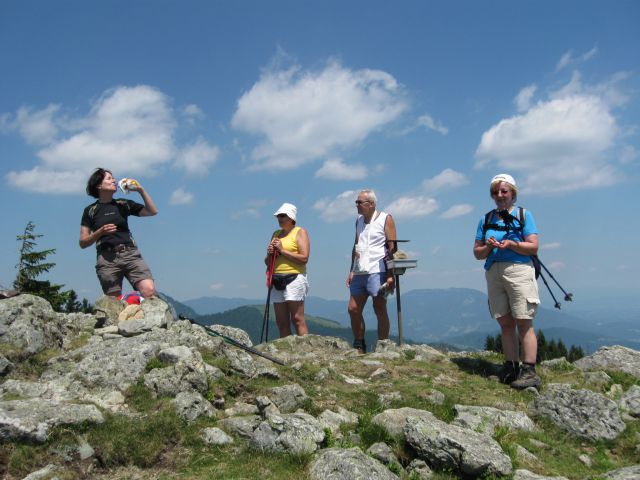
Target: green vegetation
153 442
32 264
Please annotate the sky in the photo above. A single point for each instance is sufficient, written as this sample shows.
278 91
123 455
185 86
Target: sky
224 110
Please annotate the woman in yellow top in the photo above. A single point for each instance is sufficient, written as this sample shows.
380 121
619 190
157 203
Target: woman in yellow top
290 285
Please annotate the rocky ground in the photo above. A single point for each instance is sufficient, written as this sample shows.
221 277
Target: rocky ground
133 393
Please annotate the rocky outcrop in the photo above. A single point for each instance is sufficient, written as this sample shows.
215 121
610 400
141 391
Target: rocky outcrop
32 419
486 419
295 433
583 413
616 358
351 464
450 447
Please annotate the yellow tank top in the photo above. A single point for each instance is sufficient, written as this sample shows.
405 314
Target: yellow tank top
289 243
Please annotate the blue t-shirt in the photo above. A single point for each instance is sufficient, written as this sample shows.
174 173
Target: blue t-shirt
507 255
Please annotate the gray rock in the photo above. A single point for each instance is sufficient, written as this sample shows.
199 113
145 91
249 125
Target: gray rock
347 464
583 413
5 366
393 420
236 334
385 399
43 473
420 468
557 364
333 420
486 419
630 401
107 310
294 433
615 358
32 419
626 473
585 459
241 426
288 398
451 447
29 323
596 378
383 453
241 408
266 407
434 396
138 326
522 474
185 376
191 405
379 373
215 436
175 354
525 455
85 450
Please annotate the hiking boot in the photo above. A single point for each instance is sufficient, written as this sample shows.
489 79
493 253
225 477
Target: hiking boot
509 372
527 378
359 345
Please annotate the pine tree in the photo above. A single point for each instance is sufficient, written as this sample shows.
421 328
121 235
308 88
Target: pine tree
31 264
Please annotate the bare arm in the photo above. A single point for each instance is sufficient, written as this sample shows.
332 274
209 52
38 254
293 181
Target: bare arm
88 238
150 208
390 234
528 247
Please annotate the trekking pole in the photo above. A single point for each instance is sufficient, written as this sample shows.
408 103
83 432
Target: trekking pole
233 342
264 335
568 297
557 303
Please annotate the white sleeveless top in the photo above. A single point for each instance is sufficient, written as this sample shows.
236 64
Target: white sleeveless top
371 247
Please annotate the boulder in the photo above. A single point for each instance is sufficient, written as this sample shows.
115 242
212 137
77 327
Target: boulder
189 375
288 398
583 413
333 420
615 358
347 464
32 419
241 426
383 453
486 419
630 401
293 433
191 405
527 475
393 420
215 436
451 447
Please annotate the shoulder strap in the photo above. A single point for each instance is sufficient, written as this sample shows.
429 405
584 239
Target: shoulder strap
485 225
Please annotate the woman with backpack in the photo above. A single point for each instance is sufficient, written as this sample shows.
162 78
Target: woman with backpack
506 238
105 223
290 244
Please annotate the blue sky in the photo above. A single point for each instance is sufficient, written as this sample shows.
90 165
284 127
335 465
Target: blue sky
224 110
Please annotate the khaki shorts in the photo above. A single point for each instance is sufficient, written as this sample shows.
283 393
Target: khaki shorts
112 267
512 288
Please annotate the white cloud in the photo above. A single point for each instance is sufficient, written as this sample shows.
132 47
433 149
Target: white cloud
181 197
39 180
446 178
559 145
550 246
216 286
429 123
128 129
412 206
192 113
568 58
304 115
338 209
336 169
523 99
457 211
197 158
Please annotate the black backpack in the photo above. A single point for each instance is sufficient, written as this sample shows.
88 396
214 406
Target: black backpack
510 227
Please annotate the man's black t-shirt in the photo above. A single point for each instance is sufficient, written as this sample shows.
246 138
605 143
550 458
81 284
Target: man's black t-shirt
117 211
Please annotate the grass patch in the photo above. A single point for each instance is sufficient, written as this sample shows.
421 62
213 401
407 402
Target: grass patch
621 378
32 367
155 362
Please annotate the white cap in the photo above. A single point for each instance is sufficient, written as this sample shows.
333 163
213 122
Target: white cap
506 178
289 209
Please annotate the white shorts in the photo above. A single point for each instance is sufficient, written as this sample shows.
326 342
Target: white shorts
512 288
296 291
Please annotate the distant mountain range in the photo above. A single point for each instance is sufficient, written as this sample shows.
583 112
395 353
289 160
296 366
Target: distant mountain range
455 316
